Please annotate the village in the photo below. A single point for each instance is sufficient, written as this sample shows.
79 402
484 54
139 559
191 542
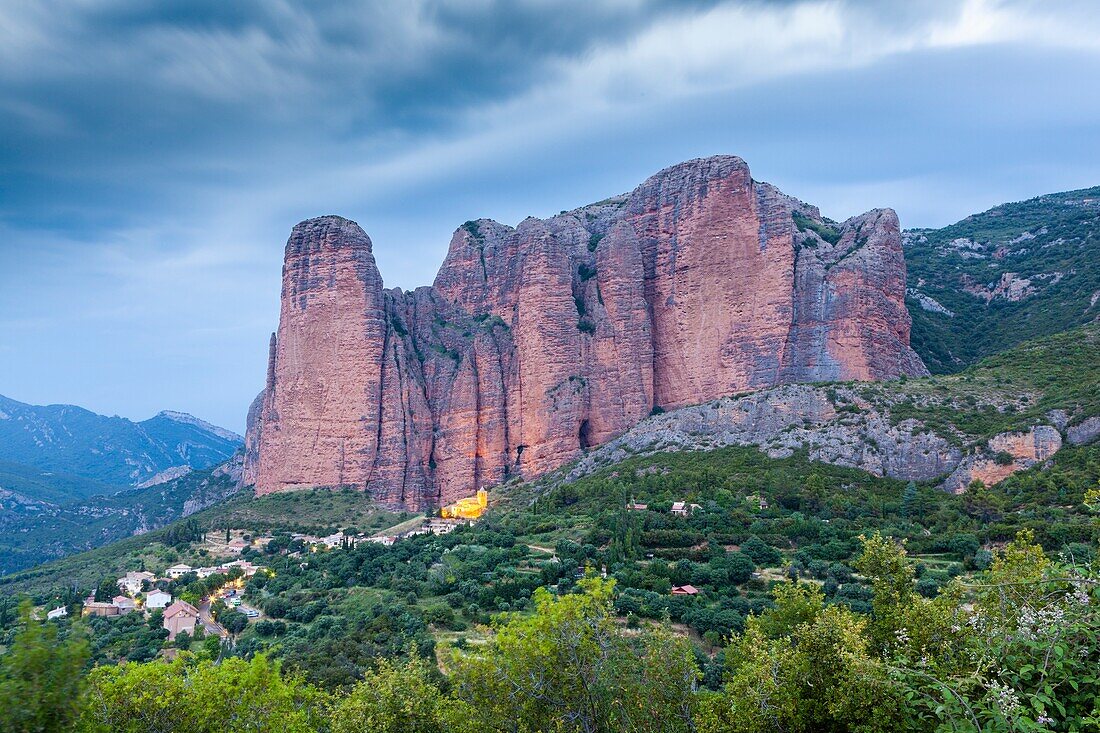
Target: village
145 592
141 591
148 593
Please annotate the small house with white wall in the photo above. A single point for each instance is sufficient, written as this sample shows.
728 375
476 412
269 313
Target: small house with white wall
177 571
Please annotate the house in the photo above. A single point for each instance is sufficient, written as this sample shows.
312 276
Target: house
236 546
100 608
157 599
180 570
124 604
246 567
180 616
333 540
683 509
684 590
758 500
443 526
132 583
58 612
384 541
636 507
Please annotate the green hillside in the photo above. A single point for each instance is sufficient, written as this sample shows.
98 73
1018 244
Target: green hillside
41 533
53 487
1045 250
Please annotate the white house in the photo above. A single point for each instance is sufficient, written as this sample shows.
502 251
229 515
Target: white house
177 570
125 604
130 584
157 599
58 612
683 509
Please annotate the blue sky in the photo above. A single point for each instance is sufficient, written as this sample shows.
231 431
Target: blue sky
154 155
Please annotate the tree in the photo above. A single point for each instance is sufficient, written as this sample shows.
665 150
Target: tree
568 667
105 590
212 647
909 501
815 490
803 666
396 698
761 552
891 575
234 621
186 694
40 677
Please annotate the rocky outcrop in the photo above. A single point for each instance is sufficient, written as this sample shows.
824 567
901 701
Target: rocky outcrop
834 425
1004 455
1085 432
537 342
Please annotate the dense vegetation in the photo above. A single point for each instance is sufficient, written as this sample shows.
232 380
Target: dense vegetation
1012 390
1054 240
329 617
43 533
1018 649
820 598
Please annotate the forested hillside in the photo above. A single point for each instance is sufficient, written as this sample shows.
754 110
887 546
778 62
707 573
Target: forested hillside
1015 272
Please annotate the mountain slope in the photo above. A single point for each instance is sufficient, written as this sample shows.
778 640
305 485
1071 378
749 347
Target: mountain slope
40 485
111 450
1015 272
36 532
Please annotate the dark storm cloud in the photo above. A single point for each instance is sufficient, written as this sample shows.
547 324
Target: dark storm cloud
153 155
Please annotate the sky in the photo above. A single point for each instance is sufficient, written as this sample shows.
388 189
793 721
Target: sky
155 155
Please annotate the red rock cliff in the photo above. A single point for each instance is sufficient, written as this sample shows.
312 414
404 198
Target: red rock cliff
537 342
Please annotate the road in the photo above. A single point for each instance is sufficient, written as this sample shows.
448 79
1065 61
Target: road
208 622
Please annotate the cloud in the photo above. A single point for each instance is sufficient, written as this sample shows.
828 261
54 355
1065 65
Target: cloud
153 155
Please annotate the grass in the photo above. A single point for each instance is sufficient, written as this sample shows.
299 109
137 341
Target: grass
1010 391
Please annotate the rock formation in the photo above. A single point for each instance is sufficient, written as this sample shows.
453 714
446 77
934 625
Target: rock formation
1004 455
540 341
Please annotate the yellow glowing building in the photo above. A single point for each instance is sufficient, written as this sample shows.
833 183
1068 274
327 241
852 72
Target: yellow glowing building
471 507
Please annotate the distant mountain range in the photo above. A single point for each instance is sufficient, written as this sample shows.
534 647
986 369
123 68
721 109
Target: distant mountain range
72 480
60 453
993 280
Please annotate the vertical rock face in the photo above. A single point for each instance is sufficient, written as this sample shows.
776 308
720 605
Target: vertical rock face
540 341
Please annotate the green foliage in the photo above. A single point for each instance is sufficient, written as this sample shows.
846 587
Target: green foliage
826 231
40 678
568 667
397 698
1010 391
1054 237
199 696
1019 650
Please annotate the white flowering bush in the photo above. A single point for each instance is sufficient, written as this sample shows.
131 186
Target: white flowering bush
1030 649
